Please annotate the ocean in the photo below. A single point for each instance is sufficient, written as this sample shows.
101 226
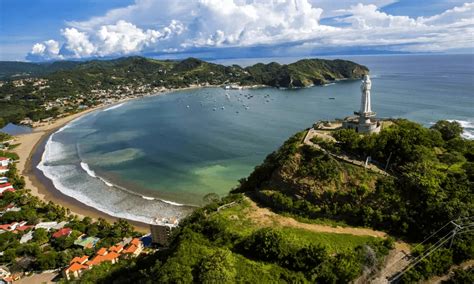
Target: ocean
158 156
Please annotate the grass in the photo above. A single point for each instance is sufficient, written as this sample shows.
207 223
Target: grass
335 243
237 222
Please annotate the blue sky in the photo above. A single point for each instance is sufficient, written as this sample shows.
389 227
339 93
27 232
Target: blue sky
39 30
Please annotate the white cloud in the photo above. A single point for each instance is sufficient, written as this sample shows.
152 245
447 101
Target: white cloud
46 50
173 26
368 16
78 43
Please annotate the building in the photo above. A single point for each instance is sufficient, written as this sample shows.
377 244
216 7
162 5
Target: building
161 231
79 264
76 267
4 161
3 170
362 122
134 249
62 232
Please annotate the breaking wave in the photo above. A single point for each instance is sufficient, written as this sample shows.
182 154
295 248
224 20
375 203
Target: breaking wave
86 168
114 107
468 126
80 182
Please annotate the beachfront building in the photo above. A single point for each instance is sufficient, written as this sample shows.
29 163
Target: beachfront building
4 161
113 254
76 267
161 230
363 121
134 249
64 232
3 170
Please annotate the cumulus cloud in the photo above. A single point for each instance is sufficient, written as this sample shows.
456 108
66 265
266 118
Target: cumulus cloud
46 50
178 26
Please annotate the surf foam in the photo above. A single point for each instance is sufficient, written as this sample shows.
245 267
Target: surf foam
468 126
88 170
120 202
114 107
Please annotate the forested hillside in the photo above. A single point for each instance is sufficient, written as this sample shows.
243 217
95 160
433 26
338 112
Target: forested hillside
47 90
429 183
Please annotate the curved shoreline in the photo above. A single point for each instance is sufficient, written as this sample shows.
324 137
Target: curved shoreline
42 187
30 151
31 147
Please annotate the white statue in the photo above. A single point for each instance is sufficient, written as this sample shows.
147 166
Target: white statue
365 105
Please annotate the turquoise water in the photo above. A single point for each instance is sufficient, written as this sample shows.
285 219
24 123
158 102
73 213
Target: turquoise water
177 147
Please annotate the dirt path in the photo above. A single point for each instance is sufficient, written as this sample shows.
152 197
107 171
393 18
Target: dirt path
394 262
265 217
314 133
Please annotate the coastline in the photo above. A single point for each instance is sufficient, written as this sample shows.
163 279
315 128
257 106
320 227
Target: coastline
32 146
42 187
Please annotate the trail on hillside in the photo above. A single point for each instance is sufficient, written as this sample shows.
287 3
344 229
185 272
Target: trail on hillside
265 217
394 262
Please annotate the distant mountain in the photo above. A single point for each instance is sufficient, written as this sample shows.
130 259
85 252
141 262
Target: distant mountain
299 74
92 82
305 72
15 69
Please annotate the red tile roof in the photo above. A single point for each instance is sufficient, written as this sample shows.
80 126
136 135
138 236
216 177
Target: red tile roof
23 228
6 226
79 260
117 248
130 249
135 241
7 184
62 232
98 259
4 158
75 267
102 251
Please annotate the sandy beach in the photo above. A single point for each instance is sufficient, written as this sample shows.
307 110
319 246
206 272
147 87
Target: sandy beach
43 188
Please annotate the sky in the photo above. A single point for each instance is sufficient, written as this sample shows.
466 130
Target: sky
45 30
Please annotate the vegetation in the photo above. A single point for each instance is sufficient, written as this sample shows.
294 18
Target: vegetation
430 183
81 81
227 246
43 252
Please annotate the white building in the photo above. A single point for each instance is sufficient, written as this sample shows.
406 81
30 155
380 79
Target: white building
4 162
362 122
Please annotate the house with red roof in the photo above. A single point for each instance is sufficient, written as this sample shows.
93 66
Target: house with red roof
14 226
134 248
62 232
112 254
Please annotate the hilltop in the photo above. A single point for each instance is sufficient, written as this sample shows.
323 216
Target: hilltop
309 214
42 91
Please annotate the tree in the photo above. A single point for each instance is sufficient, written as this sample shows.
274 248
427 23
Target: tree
448 130
211 197
218 268
46 261
40 236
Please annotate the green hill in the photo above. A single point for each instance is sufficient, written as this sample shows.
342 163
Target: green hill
125 76
16 70
428 184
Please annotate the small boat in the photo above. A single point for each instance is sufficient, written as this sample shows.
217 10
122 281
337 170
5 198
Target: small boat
332 98
187 106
